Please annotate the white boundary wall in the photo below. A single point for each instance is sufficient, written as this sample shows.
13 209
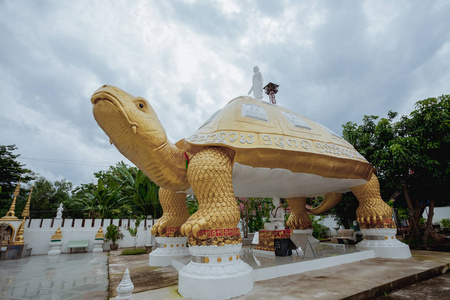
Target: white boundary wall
439 213
38 233
331 223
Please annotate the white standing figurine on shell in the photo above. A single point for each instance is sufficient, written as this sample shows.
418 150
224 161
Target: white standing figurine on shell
257 86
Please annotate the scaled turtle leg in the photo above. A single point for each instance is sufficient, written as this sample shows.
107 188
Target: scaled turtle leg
175 213
298 218
209 175
372 211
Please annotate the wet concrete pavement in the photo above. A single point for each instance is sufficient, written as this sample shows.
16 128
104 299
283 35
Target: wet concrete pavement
437 288
367 279
85 276
66 276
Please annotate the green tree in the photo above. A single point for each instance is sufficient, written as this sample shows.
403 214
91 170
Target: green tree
47 196
411 156
137 188
120 192
102 201
320 231
10 172
192 204
252 211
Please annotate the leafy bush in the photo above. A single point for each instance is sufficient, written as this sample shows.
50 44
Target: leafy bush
319 231
113 234
445 222
135 251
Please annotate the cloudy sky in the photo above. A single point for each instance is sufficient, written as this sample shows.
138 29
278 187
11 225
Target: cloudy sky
335 61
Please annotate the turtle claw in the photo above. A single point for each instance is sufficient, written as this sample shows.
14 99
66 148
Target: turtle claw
186 229
153 230
160 225
195 230
297 222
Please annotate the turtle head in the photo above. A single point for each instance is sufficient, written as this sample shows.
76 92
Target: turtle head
130 122
134 128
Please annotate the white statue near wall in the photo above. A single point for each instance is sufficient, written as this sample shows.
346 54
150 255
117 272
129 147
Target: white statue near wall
257 86
60 211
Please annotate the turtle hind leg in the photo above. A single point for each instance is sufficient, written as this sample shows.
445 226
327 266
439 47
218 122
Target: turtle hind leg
209 175
175 212
372 211
298 219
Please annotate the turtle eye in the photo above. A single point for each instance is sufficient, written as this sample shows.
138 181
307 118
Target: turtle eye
140 105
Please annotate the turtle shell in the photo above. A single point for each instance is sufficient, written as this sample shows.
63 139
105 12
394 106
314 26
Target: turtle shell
265 135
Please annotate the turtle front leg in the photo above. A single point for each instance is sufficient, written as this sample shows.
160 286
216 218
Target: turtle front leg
372 211
209 174
175 213
298 218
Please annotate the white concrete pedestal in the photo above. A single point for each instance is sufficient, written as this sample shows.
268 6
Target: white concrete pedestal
274 224
98 246
168 249
55 248
301 237
215 272
384 243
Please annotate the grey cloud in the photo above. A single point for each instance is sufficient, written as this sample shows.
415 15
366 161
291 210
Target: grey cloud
54 54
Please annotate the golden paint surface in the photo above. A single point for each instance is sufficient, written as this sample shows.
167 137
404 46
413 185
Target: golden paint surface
175 212
57 235
277 143
99 234
372 211
210 174
299 218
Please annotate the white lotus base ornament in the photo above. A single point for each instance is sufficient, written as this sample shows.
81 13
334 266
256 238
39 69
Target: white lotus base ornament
384 243
168 249
215 272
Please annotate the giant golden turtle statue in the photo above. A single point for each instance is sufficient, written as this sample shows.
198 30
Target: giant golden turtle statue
249 148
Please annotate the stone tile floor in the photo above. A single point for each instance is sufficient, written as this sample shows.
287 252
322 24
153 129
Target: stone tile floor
65 276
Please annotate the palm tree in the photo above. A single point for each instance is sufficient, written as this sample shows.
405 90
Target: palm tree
138 188
101 201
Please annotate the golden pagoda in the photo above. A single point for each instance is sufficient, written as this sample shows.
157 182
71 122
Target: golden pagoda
26 210
19 236
11 215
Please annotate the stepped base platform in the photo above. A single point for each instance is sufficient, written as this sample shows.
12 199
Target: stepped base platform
268 266
362 279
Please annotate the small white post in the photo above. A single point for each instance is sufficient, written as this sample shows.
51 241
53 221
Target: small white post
126 287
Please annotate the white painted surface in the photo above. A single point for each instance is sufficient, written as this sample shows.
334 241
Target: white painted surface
265 182
125 287
98 246
310 265
223 276
284 183
384 243
168 249
55 248
38 237
439 214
